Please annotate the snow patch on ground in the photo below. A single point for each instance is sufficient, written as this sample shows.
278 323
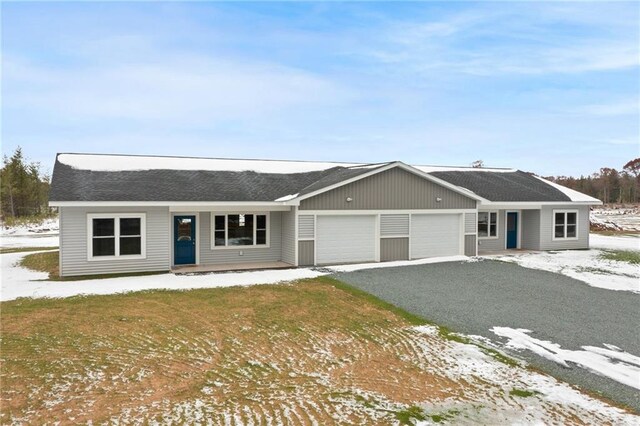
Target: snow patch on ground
616 219
44 234
584 265
20 282
48 226
610 362
622 242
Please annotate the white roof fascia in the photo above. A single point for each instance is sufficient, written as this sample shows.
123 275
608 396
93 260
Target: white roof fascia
403 166
530 204
243 204
576 196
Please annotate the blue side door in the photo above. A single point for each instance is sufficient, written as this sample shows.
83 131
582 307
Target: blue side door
512 230
184 237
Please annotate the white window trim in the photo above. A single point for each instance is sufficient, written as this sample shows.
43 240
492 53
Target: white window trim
553 228
497 212
226 231
116 231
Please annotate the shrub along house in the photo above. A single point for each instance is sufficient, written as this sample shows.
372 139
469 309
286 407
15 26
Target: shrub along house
147 213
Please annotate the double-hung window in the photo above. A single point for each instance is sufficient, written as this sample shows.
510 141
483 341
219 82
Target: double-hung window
116 236
488 224
565 224
240 230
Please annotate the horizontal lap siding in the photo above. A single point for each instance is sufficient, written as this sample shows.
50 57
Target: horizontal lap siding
306 256
394 189
250 254
470 220
394 224
394 249
306 229
546 229
73 242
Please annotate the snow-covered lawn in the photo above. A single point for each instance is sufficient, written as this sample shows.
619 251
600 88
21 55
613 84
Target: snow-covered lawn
586 265
44 234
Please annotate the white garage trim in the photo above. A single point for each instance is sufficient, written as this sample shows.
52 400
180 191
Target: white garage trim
373 212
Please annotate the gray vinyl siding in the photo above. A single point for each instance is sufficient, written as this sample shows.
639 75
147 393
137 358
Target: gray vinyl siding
394 224
74 250
394 189
289 237
306 256
530 222
470 224
273 253
546 229
494 244
306 225
394 249
470 245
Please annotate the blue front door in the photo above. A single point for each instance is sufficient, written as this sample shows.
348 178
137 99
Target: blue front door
184 237
512 230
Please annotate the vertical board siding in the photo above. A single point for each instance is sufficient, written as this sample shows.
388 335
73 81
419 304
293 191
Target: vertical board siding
273 253
494 244
546 229
289 236
306 256
394 249
345 239
394 224
306 225
435 235
470 224
73 242
530 222
470 245
393 189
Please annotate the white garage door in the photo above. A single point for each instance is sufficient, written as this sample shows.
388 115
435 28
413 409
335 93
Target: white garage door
435 235
345 239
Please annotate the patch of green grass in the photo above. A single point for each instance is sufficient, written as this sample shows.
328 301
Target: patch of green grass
628 256
48 262
25 249
407 416
441 417
522 393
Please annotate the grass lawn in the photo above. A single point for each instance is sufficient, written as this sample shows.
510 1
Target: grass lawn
24 249
310 352
628 256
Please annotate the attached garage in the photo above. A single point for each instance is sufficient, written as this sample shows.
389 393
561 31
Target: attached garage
434 235
345 239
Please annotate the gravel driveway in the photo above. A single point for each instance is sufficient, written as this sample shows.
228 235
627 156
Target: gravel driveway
473 297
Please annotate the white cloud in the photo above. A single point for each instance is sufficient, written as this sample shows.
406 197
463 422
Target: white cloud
622 107
189 89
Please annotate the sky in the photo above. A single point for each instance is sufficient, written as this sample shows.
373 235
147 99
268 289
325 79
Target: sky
547 87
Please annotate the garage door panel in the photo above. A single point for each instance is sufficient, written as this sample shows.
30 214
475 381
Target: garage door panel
345 239
434 235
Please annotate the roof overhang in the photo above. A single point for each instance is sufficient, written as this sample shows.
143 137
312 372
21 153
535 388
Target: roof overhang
184 205
531 205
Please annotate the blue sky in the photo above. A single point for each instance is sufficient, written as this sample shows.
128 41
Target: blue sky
550 87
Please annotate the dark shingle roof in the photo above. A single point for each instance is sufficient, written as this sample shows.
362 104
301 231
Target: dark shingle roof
503 186
71 184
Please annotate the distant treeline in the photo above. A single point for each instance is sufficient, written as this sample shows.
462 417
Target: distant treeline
24 189
607 184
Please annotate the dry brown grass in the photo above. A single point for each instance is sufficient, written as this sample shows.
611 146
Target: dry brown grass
299 354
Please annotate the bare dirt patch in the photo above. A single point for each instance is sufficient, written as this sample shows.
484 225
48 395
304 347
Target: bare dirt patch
306 353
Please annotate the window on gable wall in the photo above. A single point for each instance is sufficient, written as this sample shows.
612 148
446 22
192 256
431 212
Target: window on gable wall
487 224
240 230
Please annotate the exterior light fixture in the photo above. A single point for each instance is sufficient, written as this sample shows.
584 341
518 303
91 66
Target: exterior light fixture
349 199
